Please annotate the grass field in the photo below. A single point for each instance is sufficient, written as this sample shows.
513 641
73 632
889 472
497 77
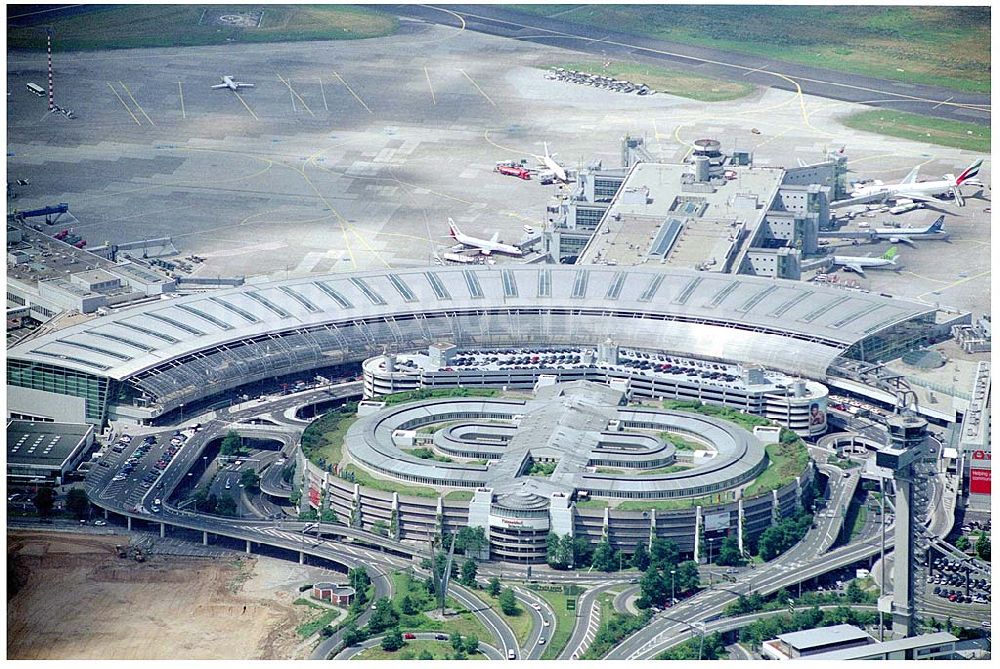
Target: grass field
786 461
519 624
465 623
968 136
644 472
665 80
683 444
670 504
565 621
459 496
388 485
944 46
144 26
440 650
323 440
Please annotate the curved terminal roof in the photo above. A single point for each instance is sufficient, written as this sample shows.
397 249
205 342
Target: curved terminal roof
787 325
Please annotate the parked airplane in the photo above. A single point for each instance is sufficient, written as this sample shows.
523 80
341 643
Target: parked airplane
484 246
910 189
549 163
907 235
227 82
858 264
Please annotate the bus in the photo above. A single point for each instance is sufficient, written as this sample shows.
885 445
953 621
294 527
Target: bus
36 89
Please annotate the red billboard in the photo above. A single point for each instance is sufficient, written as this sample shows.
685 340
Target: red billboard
979 481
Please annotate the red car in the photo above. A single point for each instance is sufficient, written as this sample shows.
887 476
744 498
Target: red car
409 635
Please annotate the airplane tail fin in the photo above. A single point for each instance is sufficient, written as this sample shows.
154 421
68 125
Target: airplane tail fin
911 177
453 229
891 254
937 225
970 172
545 145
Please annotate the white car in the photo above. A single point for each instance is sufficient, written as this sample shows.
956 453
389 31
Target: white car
100 523
536 606
545 622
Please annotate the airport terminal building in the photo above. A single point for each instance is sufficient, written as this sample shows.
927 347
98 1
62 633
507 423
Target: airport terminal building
140 363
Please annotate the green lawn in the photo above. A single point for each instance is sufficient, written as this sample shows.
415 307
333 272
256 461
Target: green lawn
424 394
968 136
666 80
388 485
459 496
944 46
644 472
426 454
519 624
671 504
323 439
785 462
143 26
441 650
565 621
306 630
857 514
465 623
682 443
591 503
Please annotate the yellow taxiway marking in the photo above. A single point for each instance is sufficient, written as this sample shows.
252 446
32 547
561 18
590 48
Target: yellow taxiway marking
323 93
303 102
356 96
477 87
136 103
954 284
123 103
428 75
244 102
180 90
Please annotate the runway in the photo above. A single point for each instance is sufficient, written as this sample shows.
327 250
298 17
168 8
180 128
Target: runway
915 98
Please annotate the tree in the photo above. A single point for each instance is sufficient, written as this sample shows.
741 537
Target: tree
583 552
469 572
383 617
226 506
664 554
380 527
407 606
359 580
508 602
45 499
249 479
288 473
983 546
494 587
425 655
654 589
604 557
328 515
962 543
687 576
552 551
352 635
232 443
470 540
855 594
308 513
77 502
456 641
729 552
471 644
393 640
640 558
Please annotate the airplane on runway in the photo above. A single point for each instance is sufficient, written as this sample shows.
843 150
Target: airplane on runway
227 82
908 235
484 246
858 264
909 190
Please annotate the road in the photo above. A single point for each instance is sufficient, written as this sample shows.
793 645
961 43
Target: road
346 654
532 650
506 22
588 619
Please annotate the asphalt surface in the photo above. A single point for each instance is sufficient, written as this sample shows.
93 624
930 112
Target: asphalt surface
505 22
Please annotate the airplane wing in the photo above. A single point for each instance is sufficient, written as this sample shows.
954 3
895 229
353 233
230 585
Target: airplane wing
863 199
240 84
220 86
911 177
916 197
495 238
902 240
854 268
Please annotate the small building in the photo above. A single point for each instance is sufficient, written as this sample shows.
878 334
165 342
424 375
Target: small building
45 452
934 646
806 643
341 595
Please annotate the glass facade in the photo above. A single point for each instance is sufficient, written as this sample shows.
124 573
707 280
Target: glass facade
894 341
62 381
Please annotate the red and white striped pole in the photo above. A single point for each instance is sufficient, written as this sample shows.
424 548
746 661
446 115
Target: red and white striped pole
52 97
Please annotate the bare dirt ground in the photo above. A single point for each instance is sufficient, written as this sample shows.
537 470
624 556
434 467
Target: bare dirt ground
78 600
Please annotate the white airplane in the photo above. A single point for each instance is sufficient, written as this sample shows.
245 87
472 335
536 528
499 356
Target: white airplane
549 163
858 264
227 82
907 235
910 189
484 246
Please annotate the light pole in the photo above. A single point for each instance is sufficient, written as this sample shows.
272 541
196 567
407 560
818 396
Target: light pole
673 597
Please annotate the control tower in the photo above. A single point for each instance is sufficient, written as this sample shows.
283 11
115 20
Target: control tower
908 434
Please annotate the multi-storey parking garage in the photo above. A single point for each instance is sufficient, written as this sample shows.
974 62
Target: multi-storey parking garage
143 362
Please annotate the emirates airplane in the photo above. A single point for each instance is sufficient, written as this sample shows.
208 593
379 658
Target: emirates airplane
923 191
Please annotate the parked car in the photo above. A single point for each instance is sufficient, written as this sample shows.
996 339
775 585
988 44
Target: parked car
409 635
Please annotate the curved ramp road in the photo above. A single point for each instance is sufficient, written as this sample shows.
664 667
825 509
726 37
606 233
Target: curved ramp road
489 651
